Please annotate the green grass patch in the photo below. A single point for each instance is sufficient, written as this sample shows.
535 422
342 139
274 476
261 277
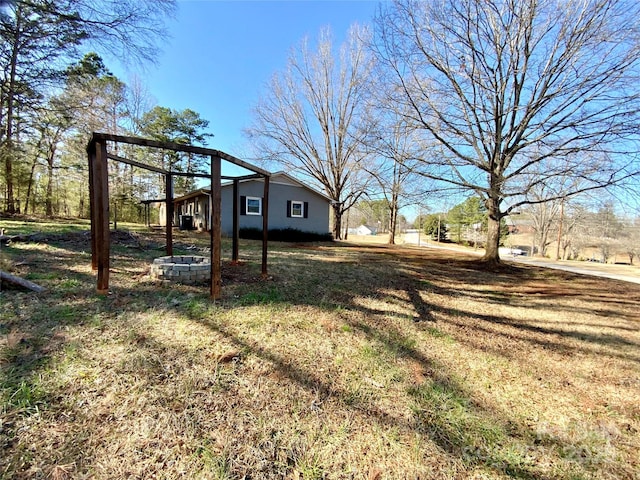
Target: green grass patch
26 397
437 333
261 297
25 227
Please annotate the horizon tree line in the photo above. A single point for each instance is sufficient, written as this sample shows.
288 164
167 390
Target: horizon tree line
520 104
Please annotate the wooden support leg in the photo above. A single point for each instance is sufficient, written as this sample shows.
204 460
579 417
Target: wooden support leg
236 223
92 203
265 226
102 239
216 235
169 209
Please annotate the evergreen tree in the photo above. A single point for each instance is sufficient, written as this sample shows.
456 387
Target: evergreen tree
41 37
467 217
184 127
435 226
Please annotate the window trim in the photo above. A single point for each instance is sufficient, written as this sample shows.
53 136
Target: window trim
247 211
297 202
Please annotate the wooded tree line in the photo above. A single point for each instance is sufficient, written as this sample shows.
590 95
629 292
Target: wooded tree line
517 103
53 96
375 213
577 229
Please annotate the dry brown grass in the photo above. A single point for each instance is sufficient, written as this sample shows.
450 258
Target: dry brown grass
352 361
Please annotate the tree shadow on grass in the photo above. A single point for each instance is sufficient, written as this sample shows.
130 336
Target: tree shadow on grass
417 292
443 409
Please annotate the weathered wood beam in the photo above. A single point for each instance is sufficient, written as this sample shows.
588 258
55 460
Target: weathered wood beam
247 177
236 222
162 171
216 225
102 239
177 147
191 174
151 168
168 180
91 156
265 226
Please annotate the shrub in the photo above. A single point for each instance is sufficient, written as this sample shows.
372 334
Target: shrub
285 235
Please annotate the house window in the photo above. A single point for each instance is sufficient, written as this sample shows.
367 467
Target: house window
254 206
297 209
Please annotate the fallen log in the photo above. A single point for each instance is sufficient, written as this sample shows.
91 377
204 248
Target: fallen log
7 239
7 277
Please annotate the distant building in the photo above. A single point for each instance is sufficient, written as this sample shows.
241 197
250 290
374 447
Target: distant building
363 230
517 224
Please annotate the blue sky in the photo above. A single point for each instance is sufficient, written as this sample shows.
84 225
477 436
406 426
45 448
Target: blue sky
220 55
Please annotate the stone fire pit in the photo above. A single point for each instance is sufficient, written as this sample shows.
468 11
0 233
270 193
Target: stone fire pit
183 269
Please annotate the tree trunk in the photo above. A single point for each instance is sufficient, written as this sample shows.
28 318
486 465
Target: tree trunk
49 196
346 227
81 212
8 148
492 254
393 220
337 221
544 242
30 185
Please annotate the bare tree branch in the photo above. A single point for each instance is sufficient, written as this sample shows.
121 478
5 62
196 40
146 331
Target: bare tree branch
307 121
506 88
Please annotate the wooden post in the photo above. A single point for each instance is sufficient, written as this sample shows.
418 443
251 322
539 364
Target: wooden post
101 214
216 235
91 151
236 222
168 179
265 226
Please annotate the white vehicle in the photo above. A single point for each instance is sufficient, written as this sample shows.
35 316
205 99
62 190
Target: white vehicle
514 252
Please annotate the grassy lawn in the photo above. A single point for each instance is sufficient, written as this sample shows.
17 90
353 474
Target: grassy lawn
28 226
351 361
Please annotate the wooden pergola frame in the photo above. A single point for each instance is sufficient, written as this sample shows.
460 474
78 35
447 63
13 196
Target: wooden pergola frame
99 154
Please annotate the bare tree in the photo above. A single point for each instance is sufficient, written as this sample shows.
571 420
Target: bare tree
307 120
395 148
138 102
393 166
631 238
544 218
504 87
546 208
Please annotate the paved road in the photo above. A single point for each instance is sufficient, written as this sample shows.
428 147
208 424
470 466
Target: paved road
615 272
596 270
